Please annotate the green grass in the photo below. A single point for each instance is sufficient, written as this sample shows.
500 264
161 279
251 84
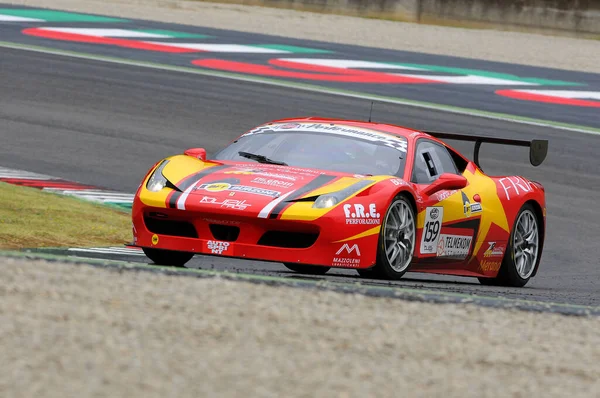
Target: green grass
31 218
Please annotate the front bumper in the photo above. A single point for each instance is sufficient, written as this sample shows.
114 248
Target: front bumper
327 241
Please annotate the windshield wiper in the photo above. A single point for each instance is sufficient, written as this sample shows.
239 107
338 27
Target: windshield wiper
260 158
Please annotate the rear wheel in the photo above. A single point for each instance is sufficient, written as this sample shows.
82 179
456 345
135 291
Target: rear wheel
307 269
167 257
396 241
523 251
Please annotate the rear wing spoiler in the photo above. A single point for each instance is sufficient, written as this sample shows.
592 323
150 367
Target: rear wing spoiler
538 149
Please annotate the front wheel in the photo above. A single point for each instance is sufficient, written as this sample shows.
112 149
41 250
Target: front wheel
307 269
167 257
523 251
396 240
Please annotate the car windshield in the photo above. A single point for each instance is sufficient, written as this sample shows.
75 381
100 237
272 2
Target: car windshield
340 148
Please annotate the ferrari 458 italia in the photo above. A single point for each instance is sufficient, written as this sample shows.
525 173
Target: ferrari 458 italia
316 193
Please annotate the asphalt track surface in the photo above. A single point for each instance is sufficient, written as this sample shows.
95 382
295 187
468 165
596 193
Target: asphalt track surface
106 124
480 97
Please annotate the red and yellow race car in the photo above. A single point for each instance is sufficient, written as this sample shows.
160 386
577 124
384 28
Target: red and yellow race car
316 193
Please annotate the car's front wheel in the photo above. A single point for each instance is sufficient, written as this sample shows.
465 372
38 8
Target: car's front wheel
396 241
307 269
523 251
167 257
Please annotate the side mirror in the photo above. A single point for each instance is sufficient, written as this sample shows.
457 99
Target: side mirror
199 153
446 181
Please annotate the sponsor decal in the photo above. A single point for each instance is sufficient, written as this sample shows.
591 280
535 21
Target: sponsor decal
431 229
256 191
288 126
155 239
226 203
389 140
263 173
468 207
358 214
476 207
297 170
348 262
516 185
217 247
442 195
494 250
349 249
223 186
345 262
454 246
215 187
278 176
223 222
272 182
398 182
239 172
277 169
486 265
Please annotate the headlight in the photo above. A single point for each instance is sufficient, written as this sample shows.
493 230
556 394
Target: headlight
325 201
157 181
328 200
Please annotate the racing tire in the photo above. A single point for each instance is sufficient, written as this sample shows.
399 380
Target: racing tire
397 240
522 252
307 269
169 258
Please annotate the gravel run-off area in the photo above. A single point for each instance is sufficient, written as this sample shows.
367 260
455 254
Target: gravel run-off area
493 45
77 331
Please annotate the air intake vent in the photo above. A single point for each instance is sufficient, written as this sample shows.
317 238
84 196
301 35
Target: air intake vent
292 240
226 233
170 227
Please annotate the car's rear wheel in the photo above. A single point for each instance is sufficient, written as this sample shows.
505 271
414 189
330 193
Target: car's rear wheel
523 251
396 241
307 269
167 257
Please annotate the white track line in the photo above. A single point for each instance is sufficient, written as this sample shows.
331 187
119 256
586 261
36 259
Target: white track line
109 250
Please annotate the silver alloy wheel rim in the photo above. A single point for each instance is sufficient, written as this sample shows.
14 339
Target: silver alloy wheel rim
526 244
399 235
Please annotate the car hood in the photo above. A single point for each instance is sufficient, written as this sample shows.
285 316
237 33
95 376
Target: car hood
249 187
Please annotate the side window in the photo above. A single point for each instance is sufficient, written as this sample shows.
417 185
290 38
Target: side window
431 161
459 161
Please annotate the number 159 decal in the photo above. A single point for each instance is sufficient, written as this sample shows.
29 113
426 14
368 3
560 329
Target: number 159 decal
431 229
